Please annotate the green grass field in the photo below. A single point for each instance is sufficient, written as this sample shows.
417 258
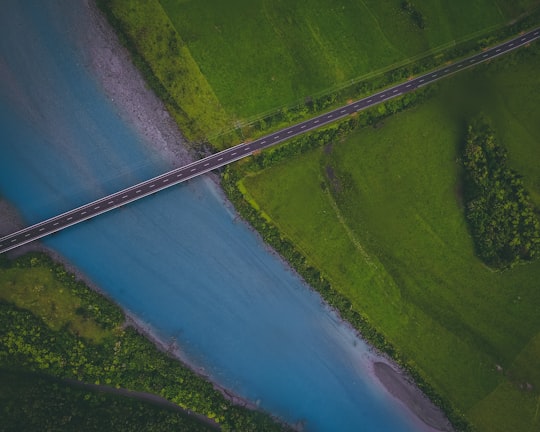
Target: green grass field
260 55
380 214
37 290
220 65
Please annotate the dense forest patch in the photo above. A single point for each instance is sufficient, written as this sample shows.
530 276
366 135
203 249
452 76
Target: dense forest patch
503 220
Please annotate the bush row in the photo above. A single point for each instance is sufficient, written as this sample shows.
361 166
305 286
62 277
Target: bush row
335 131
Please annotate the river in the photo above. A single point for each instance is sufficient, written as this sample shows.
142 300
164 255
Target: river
180 261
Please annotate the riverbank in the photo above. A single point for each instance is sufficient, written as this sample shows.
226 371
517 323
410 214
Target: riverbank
402 388
109 62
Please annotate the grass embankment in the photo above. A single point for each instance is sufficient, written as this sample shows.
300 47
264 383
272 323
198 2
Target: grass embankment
167 65
380 215
52 324
231 70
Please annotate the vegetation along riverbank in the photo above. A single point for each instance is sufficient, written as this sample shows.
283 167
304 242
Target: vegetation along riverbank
54 324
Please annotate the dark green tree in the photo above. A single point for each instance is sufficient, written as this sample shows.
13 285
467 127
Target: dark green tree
501 216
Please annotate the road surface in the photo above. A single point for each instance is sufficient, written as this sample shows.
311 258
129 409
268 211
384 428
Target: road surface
240 151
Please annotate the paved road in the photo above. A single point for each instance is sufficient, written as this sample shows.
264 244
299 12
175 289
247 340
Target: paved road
240 151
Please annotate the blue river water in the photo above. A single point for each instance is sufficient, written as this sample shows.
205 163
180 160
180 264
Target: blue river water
179 261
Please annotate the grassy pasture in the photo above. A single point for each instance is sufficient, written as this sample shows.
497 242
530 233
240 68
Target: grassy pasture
260 55
37 290
380 215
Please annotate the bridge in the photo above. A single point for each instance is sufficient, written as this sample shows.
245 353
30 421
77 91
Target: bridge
217 160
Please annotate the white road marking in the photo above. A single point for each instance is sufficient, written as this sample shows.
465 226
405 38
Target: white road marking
153 185
220 159
27 235
56 223
303 127
433 75
316 121
472 60
232 154
124 196
460 65
276 137
382 96
165 180
14 240
511 45
523 39
343 111
408 85
138 191
206 164
110 202
497 50
177 175
83 213
96 207
289 132
422 80
536 33
246 149
395 91
446 70
262 142
369 100
69 218
193 169
485 55
41 229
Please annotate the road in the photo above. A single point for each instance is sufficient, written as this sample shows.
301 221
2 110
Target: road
243 150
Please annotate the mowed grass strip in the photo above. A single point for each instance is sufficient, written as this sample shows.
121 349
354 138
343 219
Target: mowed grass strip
260 55
472 332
